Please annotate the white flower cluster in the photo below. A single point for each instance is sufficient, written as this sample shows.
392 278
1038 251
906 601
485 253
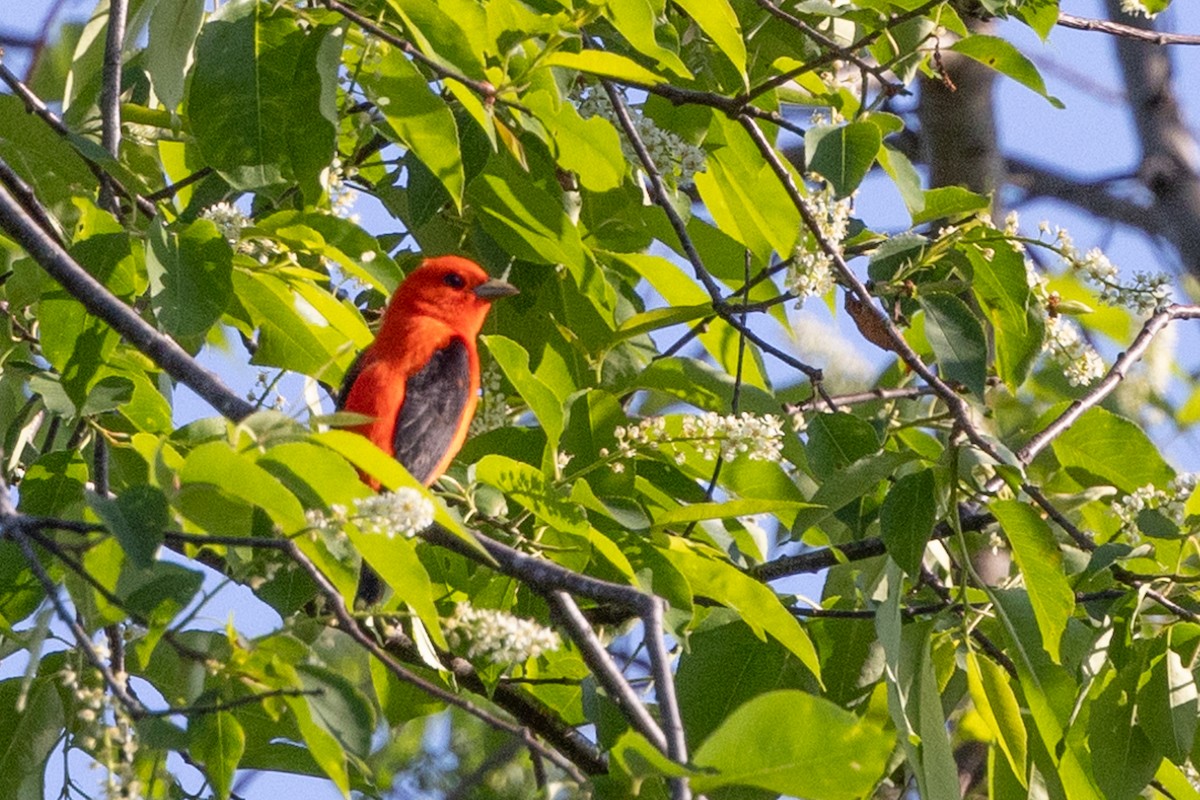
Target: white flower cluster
105 731
497 636
760 438
404 512
1081 363
1149 293
811 272
342 196
1170 502
676 160
230 221
1137 7
1064 342
492 412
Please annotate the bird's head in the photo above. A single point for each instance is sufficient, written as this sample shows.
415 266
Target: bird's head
451 289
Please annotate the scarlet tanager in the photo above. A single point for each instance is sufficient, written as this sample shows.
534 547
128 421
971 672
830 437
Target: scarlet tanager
419 379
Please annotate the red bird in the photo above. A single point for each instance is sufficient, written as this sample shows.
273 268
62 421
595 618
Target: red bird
419 379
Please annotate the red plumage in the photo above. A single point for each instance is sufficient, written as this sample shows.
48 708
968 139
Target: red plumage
419 379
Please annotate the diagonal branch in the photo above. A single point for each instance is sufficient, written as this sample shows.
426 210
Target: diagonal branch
1126 31
349 625
50 256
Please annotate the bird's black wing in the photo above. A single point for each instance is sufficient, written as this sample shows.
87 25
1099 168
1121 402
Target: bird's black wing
434 401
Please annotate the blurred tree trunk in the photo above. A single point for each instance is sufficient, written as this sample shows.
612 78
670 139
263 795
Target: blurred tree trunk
1170 155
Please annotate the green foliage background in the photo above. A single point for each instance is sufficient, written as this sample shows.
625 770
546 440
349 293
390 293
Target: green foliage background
1076 670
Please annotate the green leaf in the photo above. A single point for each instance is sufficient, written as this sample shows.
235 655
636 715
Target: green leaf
604 64
397 563
217 742
636 20
421 120
542 400
743 194
1018 323
1040 561
1123 757
589 147
137 517
292 332
53 485
1103 448
842 154
441 36
905 176
913 698
1042 15
728 509
1050 693
949 202
835 441
906 519
324 747
957 339
29 733
833 755
1005 58
527 221
720 23
216 464
1167 705
48 163
338 706
173 28
191 277
995 701
717 651
251 96
713 577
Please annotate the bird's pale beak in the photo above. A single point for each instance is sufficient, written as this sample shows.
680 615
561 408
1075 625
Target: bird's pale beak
490 290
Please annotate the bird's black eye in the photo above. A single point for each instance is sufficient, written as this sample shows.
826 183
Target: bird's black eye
454 280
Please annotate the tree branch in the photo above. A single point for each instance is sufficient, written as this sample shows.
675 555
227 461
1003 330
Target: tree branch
163 350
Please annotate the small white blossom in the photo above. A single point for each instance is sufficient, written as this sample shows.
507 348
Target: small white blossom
1149 293
1137 7
760 438
231 223
342 195
492 412
405 512
229 220
677 161
1081 363
1171 502
497 636
811 273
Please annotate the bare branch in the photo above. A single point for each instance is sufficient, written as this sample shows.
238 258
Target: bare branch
110 95
349 625
1126 31
603 667
1105 387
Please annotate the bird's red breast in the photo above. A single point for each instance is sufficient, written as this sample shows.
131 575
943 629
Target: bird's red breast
419 379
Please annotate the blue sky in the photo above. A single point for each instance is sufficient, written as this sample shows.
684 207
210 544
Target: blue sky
1091 138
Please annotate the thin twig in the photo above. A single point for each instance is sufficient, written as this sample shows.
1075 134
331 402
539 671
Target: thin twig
110 96
1105 387
664 690
1126 31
